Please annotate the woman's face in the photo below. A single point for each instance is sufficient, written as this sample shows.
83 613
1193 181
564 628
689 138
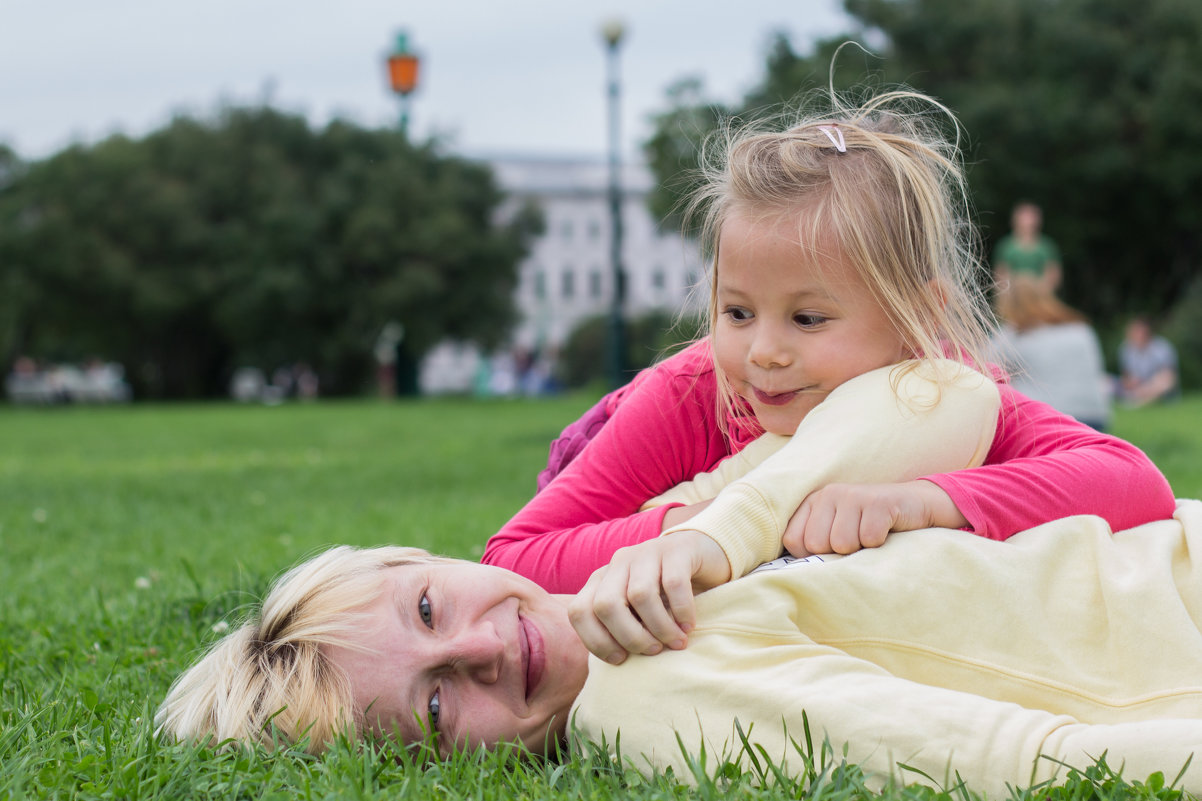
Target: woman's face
474 654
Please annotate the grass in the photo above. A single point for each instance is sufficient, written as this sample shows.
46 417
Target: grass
129 533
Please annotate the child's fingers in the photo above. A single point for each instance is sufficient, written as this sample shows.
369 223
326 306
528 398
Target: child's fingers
593 633
612 607
596 638
875 524
817 536
793 540
677 582
603 618
845 528
645 596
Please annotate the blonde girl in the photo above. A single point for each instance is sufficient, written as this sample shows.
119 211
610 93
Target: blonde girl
841 244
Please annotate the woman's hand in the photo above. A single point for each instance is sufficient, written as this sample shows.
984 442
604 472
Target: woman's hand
643 599
843 518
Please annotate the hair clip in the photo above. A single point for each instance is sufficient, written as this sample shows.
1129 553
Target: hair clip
835 135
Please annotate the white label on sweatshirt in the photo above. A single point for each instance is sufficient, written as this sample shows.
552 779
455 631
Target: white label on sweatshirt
787 561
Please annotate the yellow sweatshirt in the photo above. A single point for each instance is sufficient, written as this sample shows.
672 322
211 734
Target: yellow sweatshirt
946 652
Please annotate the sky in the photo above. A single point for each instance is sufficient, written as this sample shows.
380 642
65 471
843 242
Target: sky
498 77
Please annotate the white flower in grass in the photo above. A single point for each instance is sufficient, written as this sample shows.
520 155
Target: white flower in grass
221 627
142 583
39 515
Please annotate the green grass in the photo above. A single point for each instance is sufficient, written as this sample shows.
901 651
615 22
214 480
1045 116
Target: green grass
127 534
1172 435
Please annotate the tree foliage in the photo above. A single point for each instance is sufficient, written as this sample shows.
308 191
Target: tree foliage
251 239
1091 108
649 337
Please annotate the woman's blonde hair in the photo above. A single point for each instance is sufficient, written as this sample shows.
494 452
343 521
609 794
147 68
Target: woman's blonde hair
880 182
269 680
1026 302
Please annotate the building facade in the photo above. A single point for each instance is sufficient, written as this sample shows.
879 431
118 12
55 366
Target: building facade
568 275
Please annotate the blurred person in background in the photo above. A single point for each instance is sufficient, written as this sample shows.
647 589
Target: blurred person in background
1026 250
1051 351
1148 364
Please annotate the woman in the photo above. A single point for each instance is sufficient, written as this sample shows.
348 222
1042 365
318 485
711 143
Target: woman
1052 352
939 650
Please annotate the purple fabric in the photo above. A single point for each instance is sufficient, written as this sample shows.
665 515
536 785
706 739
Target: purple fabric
572 439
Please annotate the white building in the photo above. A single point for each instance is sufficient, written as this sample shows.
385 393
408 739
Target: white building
568 275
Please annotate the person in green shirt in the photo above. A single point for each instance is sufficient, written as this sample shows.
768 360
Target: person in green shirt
1025 250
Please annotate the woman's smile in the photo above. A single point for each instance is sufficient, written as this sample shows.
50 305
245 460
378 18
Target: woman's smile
533 655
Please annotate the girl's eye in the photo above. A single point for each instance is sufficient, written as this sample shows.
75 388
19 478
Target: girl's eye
809 320
433 708
737 314
425 612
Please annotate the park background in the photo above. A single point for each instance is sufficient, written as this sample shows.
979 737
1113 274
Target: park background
250 233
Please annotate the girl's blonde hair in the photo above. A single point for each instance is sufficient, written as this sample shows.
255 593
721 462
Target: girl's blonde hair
883 185
269 680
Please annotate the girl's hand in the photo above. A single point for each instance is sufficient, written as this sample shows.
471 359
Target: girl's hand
843 518
643 599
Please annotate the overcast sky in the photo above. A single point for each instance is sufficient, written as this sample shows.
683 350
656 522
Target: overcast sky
498 76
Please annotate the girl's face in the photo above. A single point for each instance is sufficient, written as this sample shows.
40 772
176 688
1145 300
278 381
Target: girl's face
475 655
790 330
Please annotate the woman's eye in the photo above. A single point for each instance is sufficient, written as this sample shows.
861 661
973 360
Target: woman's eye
424 610
433 708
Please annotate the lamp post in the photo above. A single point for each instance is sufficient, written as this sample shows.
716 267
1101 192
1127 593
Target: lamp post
402 75
612 33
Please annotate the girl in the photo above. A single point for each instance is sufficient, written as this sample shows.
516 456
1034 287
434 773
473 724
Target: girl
841 245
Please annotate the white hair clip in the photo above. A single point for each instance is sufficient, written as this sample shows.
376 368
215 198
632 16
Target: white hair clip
835 135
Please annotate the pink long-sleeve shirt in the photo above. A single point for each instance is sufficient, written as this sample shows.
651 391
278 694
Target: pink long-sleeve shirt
1043 465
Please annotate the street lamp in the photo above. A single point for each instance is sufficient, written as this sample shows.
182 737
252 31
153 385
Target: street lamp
402 75
611 33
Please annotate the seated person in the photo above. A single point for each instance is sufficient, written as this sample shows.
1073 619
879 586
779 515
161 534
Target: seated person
941 650
1148 364
1051 352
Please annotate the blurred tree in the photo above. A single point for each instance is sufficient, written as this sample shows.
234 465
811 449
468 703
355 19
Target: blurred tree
253 239
1091 108
13 292
650 337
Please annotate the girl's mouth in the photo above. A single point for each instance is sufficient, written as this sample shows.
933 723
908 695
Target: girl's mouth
779 399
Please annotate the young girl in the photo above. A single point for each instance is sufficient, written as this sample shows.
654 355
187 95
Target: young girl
841 245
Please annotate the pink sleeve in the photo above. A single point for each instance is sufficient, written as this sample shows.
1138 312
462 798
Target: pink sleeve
663 433
1045 465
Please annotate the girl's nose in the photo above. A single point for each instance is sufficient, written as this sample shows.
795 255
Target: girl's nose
478 653
769 349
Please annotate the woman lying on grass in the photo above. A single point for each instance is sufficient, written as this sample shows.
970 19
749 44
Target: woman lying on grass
951 654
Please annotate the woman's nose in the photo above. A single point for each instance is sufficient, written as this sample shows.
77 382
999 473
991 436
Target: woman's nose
478 653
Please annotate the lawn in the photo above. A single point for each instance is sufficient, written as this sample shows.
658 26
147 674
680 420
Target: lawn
128 534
